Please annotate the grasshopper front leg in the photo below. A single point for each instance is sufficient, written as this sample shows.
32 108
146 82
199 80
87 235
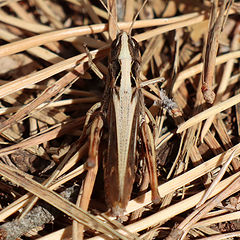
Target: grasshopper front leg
151 160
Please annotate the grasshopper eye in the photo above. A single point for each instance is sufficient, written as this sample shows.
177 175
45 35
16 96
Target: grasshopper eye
132 42
115 49
115 42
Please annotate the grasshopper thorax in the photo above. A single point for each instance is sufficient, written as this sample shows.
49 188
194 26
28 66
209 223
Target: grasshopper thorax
124 49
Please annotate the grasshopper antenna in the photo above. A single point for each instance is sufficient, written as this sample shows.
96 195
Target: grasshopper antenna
135 18
114 19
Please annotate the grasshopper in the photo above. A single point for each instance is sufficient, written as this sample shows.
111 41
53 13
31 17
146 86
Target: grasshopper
123 110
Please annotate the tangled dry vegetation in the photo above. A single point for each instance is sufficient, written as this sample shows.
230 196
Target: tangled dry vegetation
47 87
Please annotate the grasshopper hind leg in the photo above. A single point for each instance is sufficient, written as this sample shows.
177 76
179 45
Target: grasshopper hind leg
95 137
151 160
92 162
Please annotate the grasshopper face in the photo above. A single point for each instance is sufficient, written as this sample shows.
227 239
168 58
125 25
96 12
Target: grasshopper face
125 105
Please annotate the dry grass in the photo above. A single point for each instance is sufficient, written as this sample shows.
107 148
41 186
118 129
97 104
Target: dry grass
46 89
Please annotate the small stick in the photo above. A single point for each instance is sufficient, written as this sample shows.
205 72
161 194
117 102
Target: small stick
91 64
152 81
49 181
216 25
229 235
209 112
224 81
200 212
217 179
